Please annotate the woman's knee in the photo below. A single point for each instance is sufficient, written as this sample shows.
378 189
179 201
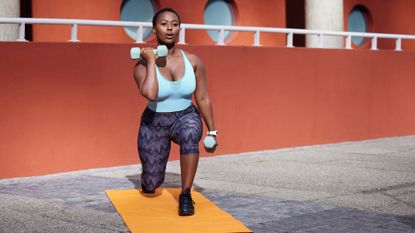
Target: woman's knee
151 181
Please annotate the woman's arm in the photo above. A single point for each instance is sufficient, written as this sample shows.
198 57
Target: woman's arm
145 74
201 94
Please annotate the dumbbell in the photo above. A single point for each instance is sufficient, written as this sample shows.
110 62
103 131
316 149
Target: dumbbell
210 143
161 51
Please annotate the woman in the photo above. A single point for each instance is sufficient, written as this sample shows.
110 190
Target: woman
168 83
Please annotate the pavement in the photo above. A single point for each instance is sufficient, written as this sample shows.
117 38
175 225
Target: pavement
365 186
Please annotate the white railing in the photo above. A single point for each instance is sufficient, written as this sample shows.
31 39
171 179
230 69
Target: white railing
221 29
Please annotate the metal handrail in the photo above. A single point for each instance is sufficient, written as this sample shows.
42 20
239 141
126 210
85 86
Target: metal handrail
290 32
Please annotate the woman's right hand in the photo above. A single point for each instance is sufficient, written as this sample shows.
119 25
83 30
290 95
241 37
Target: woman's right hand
148 54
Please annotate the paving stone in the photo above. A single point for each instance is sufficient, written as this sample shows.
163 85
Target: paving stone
76 201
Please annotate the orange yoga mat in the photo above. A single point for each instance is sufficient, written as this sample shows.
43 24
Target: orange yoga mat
157 213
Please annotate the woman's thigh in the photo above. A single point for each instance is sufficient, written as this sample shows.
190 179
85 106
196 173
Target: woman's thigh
187 132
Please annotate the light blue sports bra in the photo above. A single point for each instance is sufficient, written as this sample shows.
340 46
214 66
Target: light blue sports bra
174 96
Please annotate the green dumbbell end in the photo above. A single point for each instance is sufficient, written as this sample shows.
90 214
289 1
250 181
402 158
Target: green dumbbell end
210 143
135 53
161 51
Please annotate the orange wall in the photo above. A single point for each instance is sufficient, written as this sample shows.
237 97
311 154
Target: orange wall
387 16
266 13
67 106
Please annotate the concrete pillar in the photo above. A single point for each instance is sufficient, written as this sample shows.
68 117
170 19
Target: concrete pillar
9 8
324 15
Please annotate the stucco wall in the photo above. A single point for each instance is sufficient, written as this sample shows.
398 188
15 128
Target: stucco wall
68 106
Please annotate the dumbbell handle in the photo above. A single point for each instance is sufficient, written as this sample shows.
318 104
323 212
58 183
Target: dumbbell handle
161 51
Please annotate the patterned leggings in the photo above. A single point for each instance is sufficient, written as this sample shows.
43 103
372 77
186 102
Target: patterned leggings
156 132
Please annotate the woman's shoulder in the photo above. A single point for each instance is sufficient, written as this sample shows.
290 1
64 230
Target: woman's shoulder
193 58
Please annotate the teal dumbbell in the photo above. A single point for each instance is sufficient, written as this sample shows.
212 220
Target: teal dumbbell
161 51
210 143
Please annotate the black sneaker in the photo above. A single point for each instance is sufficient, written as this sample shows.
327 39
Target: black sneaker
186 202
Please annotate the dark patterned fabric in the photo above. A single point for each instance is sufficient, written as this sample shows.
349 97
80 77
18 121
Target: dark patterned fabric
157 130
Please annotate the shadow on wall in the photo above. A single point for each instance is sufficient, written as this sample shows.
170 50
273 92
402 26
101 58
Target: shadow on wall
295 18
26 12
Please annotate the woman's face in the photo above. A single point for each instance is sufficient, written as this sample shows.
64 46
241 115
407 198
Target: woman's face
167 28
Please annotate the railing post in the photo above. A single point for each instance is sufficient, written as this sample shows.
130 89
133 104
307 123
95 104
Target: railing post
374 43
182 35
22 32
320 40
257 38
290 40
74 33
140 32
398 44
349 42
221 37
